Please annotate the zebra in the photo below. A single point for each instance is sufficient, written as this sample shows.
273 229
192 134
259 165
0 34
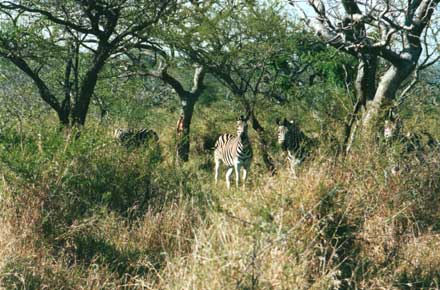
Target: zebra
235 152
295 144
392 134
409 143
391 130
135 137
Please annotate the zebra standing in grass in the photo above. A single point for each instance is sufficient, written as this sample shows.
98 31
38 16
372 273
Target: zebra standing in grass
235 152
293 142
135 137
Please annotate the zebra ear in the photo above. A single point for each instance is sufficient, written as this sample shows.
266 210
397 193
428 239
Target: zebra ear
285 122
243 118
278 121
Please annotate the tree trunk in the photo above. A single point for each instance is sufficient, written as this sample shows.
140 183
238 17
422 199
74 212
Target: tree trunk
365 86
63 117
183 128
383 98
263 144
188 100
88 85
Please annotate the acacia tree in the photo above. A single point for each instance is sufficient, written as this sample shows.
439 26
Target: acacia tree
395 32
243 47
188 97
100 30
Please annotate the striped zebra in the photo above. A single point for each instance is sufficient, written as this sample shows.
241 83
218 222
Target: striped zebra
135 137
416 144
235 152
295 144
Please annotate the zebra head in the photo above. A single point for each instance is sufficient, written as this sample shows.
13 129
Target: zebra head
393 125
117 133
285 130
392 129
389 129
242 126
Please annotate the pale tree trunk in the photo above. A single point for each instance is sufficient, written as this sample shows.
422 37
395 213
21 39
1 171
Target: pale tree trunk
188 100
368 34
384 96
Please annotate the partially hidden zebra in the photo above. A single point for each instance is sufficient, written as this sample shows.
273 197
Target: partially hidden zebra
295 144
235 152
135 137
417 144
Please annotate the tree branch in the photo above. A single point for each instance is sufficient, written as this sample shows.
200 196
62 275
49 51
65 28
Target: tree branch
45 93
199 76
14 6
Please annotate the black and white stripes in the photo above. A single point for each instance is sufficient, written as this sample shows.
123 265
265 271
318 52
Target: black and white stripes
293 142
235 152
135 137
407 147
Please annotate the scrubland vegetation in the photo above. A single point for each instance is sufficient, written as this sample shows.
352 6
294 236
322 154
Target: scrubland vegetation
87 213
80 211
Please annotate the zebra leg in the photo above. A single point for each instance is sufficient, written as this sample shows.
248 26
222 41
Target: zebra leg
292 168
237 174
228 176
245 170
292 165
217 167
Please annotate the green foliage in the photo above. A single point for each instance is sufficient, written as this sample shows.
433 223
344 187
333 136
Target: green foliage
81 211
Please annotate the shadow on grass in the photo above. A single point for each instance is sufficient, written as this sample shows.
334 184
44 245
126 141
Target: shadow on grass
90 249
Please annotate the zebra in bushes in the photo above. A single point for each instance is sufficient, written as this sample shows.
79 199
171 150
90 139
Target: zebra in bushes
417 144
235 152
135 137
295 144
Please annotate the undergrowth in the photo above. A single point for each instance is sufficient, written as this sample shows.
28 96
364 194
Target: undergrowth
86 213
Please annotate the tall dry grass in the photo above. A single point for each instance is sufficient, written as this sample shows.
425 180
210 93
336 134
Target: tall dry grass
88 214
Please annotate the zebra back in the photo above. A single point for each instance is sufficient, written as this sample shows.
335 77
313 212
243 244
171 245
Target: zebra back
136 137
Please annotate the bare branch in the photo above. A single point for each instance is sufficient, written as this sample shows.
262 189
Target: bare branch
199 75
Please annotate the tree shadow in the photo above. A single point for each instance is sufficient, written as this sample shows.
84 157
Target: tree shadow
89 249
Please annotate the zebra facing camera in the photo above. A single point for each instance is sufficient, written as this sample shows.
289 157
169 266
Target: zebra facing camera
243 118
285 122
